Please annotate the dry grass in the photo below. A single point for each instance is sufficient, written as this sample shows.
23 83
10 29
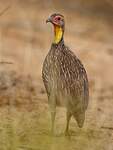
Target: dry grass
24 43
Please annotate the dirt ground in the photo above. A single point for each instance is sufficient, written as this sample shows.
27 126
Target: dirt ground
24 42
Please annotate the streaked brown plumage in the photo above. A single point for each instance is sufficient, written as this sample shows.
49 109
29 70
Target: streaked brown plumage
65 80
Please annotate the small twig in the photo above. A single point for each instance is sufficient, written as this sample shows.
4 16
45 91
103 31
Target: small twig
109 128
5 62
1 13
26 147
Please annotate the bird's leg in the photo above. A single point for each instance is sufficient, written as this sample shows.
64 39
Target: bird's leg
53 114
52 104
68 116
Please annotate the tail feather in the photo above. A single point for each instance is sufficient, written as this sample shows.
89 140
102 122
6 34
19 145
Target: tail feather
80 119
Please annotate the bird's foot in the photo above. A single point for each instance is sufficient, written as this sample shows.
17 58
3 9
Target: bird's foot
52 133
67 133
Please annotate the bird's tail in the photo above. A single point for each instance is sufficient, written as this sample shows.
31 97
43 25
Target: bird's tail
79 118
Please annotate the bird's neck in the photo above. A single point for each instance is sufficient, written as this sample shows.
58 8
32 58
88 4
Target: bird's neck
58 34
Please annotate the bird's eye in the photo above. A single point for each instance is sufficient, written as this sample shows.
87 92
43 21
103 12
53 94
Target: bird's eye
58 18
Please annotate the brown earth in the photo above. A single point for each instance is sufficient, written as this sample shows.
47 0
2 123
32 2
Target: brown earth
24 42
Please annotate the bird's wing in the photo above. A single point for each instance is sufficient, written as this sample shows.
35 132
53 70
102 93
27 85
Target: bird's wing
75 79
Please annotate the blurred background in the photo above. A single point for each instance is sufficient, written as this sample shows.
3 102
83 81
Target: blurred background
25 40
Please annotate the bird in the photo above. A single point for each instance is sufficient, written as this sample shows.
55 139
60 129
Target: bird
64 77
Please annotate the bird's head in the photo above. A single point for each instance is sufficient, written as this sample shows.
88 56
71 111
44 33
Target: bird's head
56 19
58 22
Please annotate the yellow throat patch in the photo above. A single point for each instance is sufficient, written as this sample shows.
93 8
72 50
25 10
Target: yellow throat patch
58 34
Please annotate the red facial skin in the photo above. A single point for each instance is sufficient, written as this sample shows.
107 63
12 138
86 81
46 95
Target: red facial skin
57 20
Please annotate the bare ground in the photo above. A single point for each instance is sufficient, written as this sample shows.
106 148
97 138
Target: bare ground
24 113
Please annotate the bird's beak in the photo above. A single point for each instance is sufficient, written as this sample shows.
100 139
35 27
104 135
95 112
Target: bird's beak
48 20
